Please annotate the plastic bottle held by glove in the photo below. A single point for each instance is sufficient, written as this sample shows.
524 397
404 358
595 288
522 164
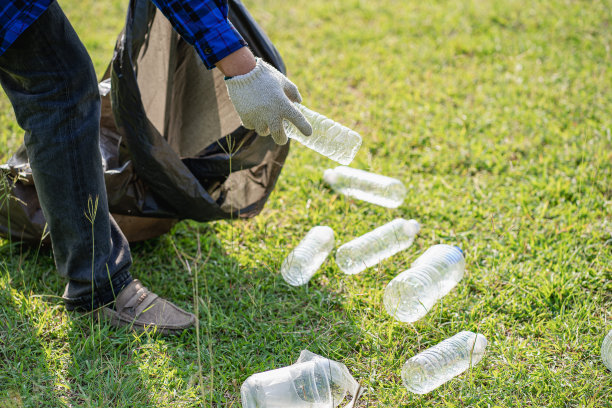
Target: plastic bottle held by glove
312 382
328 138
366 186
302 263
374 246
606 350
433 367
412 293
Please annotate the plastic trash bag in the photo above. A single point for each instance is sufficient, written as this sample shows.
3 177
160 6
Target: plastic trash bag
171 142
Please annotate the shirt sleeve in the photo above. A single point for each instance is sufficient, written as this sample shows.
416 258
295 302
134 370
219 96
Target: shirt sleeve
203 24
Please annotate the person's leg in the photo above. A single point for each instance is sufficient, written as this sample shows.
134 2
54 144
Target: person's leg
51 82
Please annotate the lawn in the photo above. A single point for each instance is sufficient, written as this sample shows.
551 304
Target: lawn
497 116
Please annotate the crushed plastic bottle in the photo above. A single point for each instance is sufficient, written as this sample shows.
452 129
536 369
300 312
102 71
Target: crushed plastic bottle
302 263
366 186
412 293
328 138
312 382
374 246
433 367
606 351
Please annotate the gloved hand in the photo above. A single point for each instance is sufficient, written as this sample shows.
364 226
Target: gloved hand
263 98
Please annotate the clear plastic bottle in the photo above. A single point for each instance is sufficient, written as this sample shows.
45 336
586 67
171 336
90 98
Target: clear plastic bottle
412 293
312 382
328 138
374 246
606 351
433 367
302 263
366 186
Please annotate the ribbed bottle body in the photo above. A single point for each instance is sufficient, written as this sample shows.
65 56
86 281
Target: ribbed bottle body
412 293
448 260
318 383
304 386
374 246
328 138
433 367
606 351
302 263
363 185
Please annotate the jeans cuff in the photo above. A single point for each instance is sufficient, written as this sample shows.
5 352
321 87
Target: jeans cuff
102 296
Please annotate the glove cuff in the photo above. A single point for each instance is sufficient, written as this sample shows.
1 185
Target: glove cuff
240 81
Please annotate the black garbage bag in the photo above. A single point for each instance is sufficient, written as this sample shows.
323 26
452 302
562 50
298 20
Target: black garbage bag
171 142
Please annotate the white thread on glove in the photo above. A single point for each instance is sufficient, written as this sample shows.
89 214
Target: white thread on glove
263 99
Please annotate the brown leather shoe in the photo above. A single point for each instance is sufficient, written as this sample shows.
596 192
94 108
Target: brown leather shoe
138 307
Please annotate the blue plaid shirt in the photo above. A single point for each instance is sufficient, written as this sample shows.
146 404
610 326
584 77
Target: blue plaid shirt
202 23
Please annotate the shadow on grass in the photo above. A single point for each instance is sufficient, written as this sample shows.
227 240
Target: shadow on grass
25 376
51 358
250 321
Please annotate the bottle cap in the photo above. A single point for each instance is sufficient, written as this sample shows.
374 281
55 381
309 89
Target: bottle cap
330 177
460 250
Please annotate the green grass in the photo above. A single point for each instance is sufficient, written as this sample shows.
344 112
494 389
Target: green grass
497 117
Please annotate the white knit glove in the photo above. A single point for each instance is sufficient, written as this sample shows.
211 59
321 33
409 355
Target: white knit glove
263 98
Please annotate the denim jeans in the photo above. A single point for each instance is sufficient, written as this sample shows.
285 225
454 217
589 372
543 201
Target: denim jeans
50 80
